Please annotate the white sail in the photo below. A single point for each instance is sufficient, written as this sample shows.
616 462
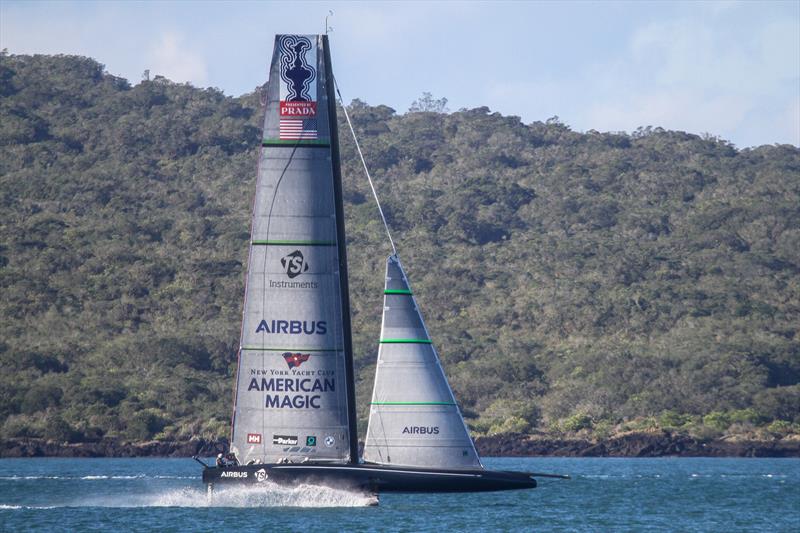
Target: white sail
414 419
292 397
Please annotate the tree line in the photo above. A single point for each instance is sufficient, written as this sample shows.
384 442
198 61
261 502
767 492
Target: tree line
571 281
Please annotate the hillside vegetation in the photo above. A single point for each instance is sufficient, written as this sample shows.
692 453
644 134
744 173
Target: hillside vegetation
571 281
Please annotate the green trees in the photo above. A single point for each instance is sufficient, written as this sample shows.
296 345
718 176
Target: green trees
569 280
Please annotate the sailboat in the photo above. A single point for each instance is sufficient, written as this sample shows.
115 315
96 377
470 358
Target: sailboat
294 417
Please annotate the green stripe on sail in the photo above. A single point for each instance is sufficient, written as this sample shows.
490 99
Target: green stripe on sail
397 291
292 243
302 142
411 403
406 341
270 349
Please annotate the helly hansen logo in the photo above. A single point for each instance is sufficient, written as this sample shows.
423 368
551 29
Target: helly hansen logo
253 438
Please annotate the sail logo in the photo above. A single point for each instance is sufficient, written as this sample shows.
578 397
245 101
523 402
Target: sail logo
234 474
293 327
294 264
284 440
292 385
296 72
421 430
299 386
283 284
298 88
295 359
254 438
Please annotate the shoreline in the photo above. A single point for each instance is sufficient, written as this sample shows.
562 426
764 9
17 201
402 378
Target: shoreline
636 444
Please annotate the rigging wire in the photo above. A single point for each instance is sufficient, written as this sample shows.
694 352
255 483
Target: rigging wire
364 164
388 234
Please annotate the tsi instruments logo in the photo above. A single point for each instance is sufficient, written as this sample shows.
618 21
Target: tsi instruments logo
294 264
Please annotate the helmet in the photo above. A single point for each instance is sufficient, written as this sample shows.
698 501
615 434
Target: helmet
219 456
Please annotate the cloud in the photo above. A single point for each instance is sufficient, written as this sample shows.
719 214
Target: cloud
701 76
534 100
172 58
681 109
728 68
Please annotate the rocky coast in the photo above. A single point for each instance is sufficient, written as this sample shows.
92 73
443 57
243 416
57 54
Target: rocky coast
633 444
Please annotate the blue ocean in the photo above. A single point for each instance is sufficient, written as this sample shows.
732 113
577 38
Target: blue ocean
669 494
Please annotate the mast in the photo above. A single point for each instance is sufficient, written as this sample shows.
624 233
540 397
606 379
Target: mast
342 245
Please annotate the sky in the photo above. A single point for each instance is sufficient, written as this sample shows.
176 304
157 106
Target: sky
729 69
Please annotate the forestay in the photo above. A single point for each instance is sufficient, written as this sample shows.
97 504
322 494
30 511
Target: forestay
292 387
414 419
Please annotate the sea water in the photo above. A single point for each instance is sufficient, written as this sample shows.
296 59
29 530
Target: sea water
669 494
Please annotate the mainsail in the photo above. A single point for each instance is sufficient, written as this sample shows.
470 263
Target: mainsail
294 395
414 419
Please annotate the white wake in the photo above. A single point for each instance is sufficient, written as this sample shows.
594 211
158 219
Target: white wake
261 495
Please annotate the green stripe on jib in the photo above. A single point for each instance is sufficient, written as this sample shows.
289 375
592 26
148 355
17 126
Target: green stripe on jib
411 403
397 291
405 341
292 243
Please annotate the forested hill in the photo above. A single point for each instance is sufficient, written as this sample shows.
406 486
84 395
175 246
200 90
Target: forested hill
571 281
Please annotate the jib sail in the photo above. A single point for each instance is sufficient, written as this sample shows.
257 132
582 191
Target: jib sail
414 419
294 395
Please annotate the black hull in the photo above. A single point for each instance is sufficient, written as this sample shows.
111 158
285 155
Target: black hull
370 477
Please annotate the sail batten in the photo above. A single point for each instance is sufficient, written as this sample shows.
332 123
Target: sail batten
414 419
294 383
412 403
279 143
292 243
